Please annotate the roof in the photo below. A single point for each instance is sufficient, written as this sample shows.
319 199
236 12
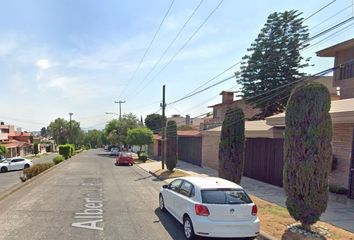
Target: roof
256 129
210 182
188 133
332 50
342 111
14 143
221 104
18 134
229 92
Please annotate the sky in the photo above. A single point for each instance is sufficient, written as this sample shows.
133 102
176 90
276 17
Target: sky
80 56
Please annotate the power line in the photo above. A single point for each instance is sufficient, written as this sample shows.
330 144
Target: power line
152 40
329 29
172 42
202 90
185 44
334 15
319 10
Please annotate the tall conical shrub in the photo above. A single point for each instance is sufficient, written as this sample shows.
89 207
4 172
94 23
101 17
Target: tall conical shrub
307 152
172 145
232 145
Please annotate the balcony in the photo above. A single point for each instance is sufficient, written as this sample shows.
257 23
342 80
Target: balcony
4 137
346 71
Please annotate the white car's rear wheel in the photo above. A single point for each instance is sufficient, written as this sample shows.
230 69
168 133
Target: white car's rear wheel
162 203
3 169
188 228
26 166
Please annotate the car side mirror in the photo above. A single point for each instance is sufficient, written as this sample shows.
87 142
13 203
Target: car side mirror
165 186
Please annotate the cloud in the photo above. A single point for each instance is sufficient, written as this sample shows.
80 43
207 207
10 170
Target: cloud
43 64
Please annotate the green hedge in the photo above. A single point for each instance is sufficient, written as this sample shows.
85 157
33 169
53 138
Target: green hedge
143 157
35 170
65 151
58 159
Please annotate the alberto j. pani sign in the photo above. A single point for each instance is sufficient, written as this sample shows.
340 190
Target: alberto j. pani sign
91 217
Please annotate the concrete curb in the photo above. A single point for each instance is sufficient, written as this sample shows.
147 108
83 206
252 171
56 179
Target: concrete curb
262 235
21 185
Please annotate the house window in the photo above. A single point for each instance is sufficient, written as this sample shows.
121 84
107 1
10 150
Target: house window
346 71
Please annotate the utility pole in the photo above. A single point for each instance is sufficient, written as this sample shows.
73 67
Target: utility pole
70 137
120 108
163 125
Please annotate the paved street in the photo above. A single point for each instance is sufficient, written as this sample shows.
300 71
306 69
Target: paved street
9 179
88 197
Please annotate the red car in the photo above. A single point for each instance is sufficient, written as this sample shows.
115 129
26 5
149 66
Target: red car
125 158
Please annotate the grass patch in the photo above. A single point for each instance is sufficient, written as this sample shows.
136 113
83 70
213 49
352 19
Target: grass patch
275 219
166 174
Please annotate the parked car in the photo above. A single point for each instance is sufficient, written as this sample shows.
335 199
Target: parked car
125 158
114 152
16 163
210 207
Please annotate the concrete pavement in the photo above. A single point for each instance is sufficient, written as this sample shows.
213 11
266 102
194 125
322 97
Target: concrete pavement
340 209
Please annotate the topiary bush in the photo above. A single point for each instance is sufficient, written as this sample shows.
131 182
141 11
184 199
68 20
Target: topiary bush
58 159
171 148
143 157
35 148
35 170
232 145
65 151
307 152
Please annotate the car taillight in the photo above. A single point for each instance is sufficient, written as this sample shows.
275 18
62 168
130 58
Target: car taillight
254 210
201 210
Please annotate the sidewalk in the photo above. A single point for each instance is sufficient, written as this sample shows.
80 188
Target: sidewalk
340 209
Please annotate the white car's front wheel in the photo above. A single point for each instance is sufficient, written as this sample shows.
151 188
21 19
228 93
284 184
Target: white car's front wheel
188 228
162 203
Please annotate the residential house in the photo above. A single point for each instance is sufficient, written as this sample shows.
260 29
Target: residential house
187 120
17 143
219 110
343 76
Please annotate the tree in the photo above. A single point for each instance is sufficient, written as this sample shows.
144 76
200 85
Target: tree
172 145
94 138
274 60
117 130
59 130
43 132
153 121
232 145
140 136
3 150
307 152
36 148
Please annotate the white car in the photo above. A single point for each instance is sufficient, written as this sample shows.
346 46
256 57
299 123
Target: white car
16 163
210 207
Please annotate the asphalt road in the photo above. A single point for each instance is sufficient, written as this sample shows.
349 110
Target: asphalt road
88 197
9 179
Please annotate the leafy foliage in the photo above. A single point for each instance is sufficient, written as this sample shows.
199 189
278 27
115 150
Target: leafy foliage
35 170
274 60
3 150
172 145
94 138
43 132
184 128
65 150
58 159
232 145
117 130
140 136
59 129
307 152
36 148
153 121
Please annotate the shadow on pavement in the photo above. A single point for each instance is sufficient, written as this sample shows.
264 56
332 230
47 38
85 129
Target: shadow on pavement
172 226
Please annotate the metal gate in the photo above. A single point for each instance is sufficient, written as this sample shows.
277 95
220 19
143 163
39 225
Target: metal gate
264 160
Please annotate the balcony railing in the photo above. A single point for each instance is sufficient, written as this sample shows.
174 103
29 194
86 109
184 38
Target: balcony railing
4 137
346 71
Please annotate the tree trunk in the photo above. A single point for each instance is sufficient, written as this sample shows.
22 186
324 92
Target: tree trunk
307 227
